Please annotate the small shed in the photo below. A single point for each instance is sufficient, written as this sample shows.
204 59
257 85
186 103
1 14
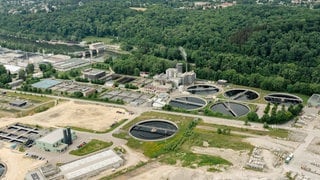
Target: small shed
222 82
18 103
314 100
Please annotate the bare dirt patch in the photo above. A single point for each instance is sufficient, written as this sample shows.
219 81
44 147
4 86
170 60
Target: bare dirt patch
270 143
314 146
297 136
237 158
17 164
88 116
174 172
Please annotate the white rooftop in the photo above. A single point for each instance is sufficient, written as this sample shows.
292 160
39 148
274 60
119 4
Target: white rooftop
52 137
90 164
12 68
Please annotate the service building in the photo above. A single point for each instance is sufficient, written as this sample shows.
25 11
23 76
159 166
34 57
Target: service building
56 141
91 165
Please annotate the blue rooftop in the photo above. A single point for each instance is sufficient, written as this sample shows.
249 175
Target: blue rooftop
46 83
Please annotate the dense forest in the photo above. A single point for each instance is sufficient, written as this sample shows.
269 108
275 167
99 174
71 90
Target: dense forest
271 47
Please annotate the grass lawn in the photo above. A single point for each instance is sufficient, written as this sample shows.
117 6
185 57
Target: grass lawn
280 133
92 39
173 149
39 103
154 149
232 141
92 146
37 109
35 98
189 159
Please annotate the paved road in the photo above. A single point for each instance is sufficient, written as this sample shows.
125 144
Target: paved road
302 156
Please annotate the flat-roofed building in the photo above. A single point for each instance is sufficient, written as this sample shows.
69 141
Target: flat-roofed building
91 165
314 100
98 47
15 83
46 83
55 141
56 58
34 175
18 103
12 68
188 78
94 74
222 82
70 64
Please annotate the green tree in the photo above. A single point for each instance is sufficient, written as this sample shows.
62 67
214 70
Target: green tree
77 94
22 74
265 118
30 69
136 72
253 116
267 109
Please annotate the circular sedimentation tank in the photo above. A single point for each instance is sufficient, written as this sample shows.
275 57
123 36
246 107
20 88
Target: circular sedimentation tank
153 130
231 108
283 98
2 170
188 102
202 89
241 94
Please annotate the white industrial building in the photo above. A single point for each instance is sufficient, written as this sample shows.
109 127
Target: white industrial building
57 140
314 100
171 73
160 100
91 165
12 68
56 58
99 47
188 78
175 77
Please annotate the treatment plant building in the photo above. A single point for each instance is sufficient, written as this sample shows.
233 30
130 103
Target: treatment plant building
91 165
56 141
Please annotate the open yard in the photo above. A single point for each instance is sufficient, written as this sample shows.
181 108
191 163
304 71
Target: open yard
86 116
17 163
92 146
34 104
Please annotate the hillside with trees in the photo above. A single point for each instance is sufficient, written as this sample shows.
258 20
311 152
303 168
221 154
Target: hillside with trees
270 47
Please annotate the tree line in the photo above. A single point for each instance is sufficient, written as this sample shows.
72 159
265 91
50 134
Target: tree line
275 115
270 47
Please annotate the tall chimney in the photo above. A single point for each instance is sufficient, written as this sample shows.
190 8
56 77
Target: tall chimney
65 136
69 136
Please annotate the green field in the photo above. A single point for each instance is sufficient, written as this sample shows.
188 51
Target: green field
278 133
92 39
37 109
92 146
232 141
36 104
34 98
176 148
